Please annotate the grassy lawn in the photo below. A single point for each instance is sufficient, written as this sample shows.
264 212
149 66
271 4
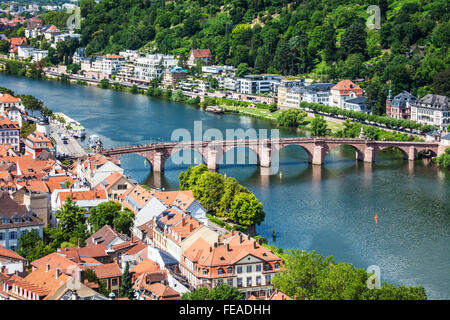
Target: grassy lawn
266 114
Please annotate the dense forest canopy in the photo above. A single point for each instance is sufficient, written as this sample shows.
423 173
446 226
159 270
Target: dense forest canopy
325 39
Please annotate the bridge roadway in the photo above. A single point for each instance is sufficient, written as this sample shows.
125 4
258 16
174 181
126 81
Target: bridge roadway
266 149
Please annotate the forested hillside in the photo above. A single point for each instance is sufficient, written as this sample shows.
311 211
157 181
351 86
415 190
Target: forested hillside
324 39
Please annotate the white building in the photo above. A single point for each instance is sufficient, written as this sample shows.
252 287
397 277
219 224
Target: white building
111 64
152 66
318 93
432 109
252 84
25 52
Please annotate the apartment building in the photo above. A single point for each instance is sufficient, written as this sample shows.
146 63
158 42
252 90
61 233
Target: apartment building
240 262
152 66
9 133
432 109
400 106
343 91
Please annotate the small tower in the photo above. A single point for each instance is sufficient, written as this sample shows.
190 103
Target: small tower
43 125
389 103
361 133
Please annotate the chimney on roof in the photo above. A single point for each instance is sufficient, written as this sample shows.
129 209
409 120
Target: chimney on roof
191 227
210 249
57 273
254 245
248 236
80 276
215 244
121 234
228 247
240 238
47 267
3 269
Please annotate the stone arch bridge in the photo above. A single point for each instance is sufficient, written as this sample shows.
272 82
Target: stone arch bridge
265 149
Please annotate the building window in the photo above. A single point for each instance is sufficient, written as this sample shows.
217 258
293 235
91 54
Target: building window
219 282
205 271
230 282
2 236
239 282
229 270
114 282
249 268
268 279
277 265
239 270
249 281
258 280
220 271
258 267
12 235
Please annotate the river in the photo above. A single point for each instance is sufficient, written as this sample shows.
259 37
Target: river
329 209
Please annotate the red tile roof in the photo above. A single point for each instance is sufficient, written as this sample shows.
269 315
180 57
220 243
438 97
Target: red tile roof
109 270
201 53
10 254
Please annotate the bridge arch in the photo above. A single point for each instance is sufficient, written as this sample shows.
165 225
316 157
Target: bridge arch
359 149
238 155
286 147
186 156
404 151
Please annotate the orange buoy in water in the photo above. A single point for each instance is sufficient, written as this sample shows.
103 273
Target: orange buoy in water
376 218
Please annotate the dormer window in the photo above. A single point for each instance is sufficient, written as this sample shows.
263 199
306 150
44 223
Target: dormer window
17 220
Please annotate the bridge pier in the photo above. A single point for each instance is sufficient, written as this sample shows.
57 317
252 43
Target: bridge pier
412 153
158 162
212 160
265 157
318 155
369 155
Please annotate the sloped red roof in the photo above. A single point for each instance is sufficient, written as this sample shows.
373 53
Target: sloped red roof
201 53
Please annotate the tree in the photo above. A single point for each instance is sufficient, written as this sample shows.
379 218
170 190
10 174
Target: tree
126 288
273 107
246 209
319 126
309 275
242 70
444 159
197 294
104 83
30 102
91 276
225 292
124 221
4 46
134 89
354 39
441 83
231 188
32 247
221 292
110 213
71 220
209 189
